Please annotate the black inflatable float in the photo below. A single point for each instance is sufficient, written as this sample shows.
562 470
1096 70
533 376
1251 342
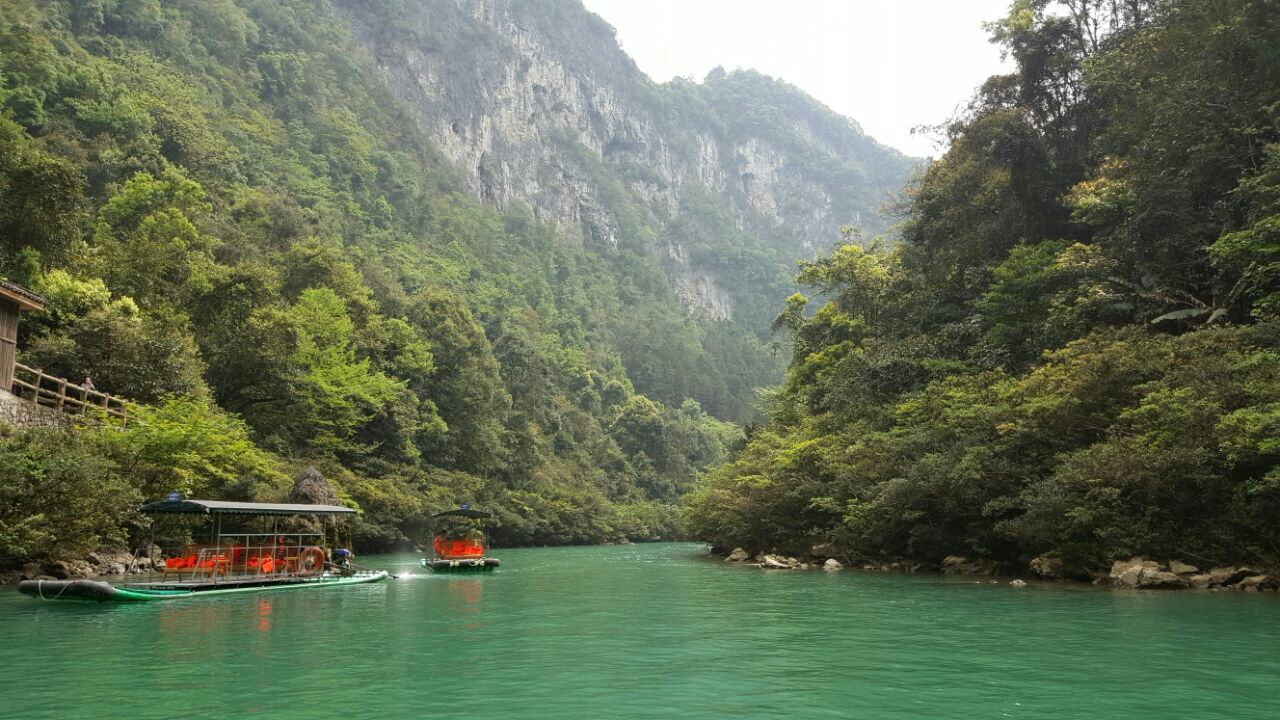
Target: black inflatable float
68 589
468 564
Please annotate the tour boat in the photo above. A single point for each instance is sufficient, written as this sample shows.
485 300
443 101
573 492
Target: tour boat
248 550
461 550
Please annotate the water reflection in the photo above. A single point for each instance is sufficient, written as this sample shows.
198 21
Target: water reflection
264 615
464 600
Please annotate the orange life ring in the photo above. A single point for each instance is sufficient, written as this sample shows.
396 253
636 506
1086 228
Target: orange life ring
310 561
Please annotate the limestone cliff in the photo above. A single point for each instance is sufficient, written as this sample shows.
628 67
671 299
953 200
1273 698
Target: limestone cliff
728 180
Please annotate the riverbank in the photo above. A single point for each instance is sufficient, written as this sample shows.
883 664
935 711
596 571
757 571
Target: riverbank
104 563
1137 573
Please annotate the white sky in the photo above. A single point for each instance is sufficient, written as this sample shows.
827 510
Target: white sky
889 64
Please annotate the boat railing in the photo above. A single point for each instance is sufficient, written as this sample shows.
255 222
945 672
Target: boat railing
246 557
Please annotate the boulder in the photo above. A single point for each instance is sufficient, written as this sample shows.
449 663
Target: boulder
1128 573
1161 579
69 569
1180 568
1047 567
1257 582
1018 583
1229 575
118 562
777 562
738 555
1201 581
832 565
1139 572
311 488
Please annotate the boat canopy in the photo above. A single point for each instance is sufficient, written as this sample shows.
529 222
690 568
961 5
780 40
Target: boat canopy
209 507
464 511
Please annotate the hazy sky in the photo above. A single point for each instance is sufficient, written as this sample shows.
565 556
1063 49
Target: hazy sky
889 64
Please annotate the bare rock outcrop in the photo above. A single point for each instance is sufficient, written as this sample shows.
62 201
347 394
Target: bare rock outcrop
311 488
1141 573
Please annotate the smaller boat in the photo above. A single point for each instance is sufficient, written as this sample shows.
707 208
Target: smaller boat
248 550
460 543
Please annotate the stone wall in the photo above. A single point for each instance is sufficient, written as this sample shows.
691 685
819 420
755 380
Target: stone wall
16 411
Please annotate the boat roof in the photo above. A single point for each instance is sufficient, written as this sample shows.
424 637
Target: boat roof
205 507
463 512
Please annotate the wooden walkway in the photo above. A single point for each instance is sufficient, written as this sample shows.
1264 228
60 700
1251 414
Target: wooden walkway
33 385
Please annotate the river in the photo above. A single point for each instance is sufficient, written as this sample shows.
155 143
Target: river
647 631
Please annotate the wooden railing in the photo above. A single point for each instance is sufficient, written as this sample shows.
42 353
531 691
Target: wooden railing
54 392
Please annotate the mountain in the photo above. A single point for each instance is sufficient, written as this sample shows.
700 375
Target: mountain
729 180
441 251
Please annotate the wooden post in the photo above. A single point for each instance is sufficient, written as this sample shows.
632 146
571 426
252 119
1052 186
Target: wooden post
8 342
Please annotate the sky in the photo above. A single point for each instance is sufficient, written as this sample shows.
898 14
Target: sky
891 65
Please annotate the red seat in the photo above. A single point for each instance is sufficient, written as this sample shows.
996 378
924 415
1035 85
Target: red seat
178 563
451 549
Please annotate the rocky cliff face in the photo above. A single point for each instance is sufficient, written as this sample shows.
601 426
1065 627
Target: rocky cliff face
535 103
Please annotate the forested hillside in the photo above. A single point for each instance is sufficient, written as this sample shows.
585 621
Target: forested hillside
238 225
1072 351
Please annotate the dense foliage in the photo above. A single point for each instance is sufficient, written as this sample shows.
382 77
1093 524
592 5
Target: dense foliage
234 223
1073 350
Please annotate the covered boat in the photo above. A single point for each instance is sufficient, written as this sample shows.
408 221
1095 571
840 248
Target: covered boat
250 547
460 545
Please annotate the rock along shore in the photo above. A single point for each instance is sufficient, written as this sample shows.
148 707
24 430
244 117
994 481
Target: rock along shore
1137 573
96 564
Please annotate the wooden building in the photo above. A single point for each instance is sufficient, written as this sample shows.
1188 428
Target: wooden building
14 299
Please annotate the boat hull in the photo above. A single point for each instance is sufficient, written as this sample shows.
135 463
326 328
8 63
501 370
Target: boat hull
99 591
476 565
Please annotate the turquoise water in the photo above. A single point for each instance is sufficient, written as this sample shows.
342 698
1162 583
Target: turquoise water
647 631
